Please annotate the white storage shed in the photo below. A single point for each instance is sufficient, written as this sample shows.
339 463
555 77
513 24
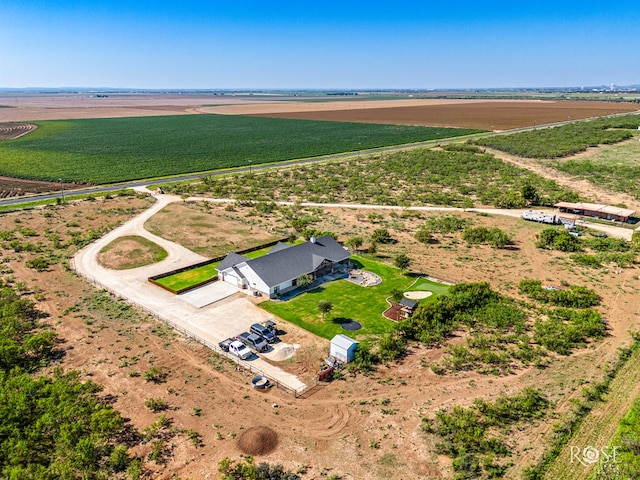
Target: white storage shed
343 348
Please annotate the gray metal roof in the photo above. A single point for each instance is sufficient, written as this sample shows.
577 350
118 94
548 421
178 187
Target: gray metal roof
408 303
287 264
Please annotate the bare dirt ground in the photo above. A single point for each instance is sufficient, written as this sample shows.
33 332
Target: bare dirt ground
190 225
481 114
24 107
15 187
340 427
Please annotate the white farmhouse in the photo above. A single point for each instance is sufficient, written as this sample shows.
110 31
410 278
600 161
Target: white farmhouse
277 272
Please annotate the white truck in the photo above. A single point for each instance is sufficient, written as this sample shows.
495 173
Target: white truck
235 347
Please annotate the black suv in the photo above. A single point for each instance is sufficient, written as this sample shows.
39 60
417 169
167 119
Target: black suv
264 332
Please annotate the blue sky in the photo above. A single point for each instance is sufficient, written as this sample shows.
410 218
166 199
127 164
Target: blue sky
326 44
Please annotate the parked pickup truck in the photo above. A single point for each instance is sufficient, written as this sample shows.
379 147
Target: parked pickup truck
271 325
254 341
263 332
236 348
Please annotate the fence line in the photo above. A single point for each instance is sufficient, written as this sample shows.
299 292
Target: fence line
247 366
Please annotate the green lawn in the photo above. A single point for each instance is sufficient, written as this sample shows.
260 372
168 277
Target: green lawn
198 275
189 277
108 150
350 302
265 250
424 285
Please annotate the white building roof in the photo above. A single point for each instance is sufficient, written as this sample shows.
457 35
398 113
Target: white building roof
343 341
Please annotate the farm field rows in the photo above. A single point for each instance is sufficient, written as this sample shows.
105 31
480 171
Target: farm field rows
102 151
599 428
360 426
481 114
614 167
564 140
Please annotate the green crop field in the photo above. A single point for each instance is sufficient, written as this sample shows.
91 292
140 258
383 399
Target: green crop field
111 150
615 167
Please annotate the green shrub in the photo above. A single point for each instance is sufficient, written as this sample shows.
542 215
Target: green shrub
493 236
156 375
381 235
39 264
156 404
575 296
558 239
567 329
467 435
446 224
424 235
391 347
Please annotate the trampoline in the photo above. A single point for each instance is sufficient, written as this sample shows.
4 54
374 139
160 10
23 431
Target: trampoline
351 325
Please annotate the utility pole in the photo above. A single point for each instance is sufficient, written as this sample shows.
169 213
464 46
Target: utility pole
62 189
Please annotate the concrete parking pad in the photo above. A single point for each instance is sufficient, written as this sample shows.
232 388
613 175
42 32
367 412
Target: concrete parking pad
208 294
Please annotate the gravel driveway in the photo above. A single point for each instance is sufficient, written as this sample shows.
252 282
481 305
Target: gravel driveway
213 322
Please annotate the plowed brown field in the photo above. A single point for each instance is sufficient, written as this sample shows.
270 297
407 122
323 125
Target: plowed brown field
14 187
9 131
486 115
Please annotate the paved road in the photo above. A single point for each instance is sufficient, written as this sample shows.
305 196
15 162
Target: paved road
181 178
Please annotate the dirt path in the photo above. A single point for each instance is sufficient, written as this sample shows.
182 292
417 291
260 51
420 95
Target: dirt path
618 232
584 187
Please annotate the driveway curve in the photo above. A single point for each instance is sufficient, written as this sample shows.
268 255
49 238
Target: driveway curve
209 324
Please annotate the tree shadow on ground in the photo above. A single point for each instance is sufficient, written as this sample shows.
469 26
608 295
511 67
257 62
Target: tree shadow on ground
340 320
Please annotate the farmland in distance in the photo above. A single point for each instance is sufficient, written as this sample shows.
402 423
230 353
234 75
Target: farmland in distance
102 151
483 114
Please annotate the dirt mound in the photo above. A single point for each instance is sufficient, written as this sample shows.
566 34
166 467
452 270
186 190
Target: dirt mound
258 441
282 351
